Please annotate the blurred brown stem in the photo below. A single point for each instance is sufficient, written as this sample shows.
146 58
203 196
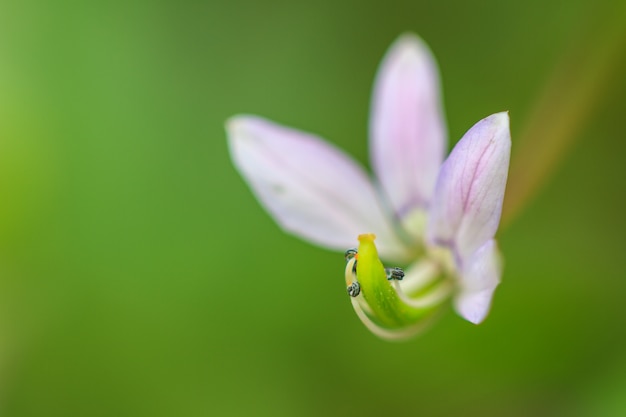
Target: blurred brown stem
572 93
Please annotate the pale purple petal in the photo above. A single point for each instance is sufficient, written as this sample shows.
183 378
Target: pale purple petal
311 188
470 188
407 130
479 278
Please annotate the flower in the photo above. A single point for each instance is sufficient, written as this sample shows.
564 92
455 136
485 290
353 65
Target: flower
439 217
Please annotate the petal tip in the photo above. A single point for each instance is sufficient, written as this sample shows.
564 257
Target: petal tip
408 39
499 121
409 46
476 307
479 282
475 319
237 124
500 118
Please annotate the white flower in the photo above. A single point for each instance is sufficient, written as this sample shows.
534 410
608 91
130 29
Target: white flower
438 216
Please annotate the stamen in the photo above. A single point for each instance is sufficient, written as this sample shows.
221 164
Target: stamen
389 334
365 306
350 273
394 274
351 253
420 276
354 289
431 299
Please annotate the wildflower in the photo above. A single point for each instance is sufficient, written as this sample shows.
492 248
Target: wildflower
439 217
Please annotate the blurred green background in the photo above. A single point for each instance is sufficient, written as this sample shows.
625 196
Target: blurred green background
139 276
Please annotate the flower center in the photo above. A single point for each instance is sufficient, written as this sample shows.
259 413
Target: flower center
444 258
414 224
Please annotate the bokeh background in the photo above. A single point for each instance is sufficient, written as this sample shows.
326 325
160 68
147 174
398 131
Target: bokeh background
139 276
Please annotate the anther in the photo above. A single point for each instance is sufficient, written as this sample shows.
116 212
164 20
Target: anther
351 253
394 273
354 289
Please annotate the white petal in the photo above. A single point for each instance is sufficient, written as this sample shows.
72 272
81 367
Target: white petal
468 198
311 188
407 131
479 278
